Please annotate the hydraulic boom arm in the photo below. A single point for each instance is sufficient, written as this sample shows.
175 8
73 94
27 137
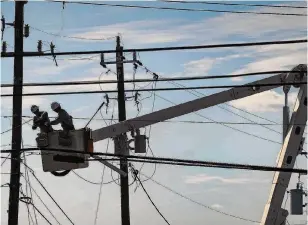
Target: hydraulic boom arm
273 213
196 105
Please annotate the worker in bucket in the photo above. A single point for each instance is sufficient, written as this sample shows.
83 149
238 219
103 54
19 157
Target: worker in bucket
63 117
40 120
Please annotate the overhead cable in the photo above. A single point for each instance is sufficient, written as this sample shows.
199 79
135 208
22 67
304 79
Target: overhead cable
237 4
198 203
27 201
181 9
230 45
16 126
135 172
162 160
180 121
254 86
43 202
27 179
71 37
68 83
199 95
52 198
91 182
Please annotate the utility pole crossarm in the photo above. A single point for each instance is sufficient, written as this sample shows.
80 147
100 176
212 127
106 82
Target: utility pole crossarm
196 105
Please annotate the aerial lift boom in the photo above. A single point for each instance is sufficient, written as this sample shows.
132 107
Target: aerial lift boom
273 214
195 105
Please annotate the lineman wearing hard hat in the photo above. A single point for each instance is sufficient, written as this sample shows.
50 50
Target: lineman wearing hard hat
41 120
63 117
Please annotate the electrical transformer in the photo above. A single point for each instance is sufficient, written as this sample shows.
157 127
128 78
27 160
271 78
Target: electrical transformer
140 144
296 201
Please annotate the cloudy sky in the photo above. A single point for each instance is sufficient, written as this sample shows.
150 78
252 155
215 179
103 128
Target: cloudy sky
239 193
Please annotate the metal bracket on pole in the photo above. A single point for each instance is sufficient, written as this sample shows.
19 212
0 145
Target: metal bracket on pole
116 169
103 63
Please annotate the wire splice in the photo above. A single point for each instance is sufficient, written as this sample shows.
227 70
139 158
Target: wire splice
155 76
26 30
107 102
4 46
2 26
40 46
52 50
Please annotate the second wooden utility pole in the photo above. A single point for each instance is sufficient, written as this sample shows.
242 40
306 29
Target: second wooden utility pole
17 113
122 139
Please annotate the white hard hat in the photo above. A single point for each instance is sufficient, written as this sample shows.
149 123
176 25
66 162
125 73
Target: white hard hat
55 105
34 108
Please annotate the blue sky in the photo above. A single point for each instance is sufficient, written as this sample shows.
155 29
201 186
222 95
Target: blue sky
226 190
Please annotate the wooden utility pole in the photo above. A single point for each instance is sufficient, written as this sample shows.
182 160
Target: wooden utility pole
17 113
122 139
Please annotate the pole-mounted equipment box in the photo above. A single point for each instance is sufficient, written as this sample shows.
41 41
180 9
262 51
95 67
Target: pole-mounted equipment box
296 201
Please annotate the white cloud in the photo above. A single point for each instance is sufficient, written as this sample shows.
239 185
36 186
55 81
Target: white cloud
269 101
6 102
281 62
269 58
202 178
137 32
217 206
201 66
41 67
216 28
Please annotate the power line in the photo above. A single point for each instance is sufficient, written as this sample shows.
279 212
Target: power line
226 125
183 9
8 157
51 197
71 37
244 44
91 182
176 84
198 203
199 93
43 202
237 4
224 165
180 121
234 113
68 83
212 122
171 161
27 179
136 176
100 192
253 86
16 126
26 200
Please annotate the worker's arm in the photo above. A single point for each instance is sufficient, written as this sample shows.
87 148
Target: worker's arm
42 117
34 126
56 121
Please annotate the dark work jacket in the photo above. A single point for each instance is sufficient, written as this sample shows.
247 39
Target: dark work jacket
40 120
65 119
